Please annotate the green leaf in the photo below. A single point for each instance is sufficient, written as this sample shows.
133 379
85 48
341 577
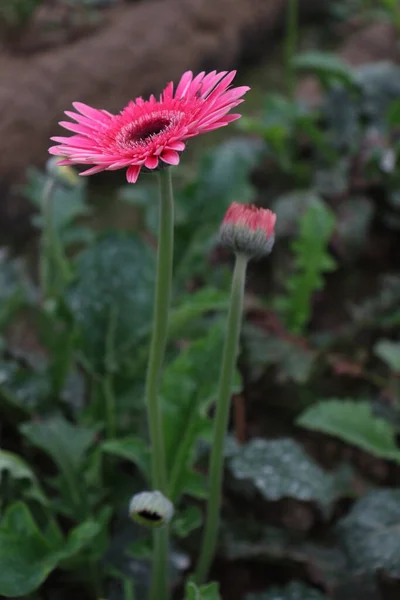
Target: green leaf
370 533
296 590
68 203
327 67
389 352
210 591
26 556
23 389
281 469
224 173
19 470
187 520
187 394
261 349
14 289
191 307
65 443
113 297
353 422
130 448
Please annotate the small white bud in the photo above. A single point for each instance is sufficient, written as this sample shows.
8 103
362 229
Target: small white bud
151 509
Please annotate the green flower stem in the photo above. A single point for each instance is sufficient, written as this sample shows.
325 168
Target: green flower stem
229 358
291 36
53 266
159 583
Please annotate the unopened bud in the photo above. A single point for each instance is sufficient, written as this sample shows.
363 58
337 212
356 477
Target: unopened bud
248 230
151 509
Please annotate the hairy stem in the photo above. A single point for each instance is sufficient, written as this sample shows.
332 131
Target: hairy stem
229 358
159 585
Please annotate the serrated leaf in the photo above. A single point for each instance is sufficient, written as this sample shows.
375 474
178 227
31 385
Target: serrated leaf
187 394
210 591
281 469
113 297
389 352
353 422
296 590
311 262
370 533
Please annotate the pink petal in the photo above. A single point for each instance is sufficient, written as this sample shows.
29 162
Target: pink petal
176 146
184 84
91 113
170 157
76 141
77 128
168 92
132 173
151 162
92 171
211 80
223 84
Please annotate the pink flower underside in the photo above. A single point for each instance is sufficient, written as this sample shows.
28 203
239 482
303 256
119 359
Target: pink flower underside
147 131
252 217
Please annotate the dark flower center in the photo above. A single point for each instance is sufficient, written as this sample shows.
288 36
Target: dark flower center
149 515
145 130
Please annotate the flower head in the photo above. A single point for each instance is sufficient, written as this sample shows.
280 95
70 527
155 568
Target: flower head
248 230
146 132
151 509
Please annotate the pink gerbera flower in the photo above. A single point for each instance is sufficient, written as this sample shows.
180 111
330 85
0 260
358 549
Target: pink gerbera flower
147 131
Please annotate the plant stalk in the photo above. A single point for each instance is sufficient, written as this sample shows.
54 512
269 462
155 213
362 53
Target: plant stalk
159 584
229 358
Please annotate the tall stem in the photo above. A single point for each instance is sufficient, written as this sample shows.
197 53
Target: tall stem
291 35
159 584
229 358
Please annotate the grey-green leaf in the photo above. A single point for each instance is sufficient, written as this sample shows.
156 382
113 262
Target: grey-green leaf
296 590
281 469
113 297
370 533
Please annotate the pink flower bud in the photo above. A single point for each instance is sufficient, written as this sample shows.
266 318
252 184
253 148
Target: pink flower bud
248 230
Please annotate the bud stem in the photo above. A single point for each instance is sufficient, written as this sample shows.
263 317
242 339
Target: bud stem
229 358
159 583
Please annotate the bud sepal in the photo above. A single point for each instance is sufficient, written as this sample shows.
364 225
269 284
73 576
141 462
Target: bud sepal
248 230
